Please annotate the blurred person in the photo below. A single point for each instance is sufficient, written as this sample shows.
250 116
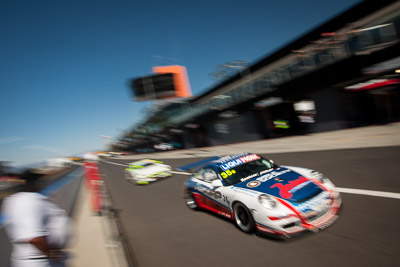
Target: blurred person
37 228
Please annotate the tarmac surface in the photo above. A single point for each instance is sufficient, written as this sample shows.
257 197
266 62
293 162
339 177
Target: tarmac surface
94 245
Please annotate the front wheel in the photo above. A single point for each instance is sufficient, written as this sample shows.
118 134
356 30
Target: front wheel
128 177
243 218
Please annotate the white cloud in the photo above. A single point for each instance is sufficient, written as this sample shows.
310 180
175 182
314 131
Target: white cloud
11 139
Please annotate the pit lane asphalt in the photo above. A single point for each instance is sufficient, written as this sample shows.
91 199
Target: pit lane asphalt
162 231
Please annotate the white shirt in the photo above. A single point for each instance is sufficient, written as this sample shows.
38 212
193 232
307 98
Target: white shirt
29 215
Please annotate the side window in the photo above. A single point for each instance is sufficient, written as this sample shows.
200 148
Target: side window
206 174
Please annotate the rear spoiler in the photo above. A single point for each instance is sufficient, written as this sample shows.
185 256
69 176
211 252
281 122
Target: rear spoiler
197 163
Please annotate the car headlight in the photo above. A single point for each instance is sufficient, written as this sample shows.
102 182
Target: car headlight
319 176
267 201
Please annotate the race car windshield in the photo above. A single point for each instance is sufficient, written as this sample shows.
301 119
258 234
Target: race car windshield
142 165
246 171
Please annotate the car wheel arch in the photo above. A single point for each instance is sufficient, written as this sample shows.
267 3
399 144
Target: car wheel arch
189 197
251 227
234 202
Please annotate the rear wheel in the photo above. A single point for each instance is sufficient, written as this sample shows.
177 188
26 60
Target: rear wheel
243 218
190 200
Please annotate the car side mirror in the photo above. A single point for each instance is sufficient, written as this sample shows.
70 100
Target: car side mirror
274 165
216 183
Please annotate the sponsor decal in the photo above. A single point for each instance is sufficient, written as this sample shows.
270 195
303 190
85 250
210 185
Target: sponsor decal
284 190
272 175
245 190
235 162
253 184
224 159
315 201
231 164
210 193
248 158
262 172
226 200
229 158
249 177
213 206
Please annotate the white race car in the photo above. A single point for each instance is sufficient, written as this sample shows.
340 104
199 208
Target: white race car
147 170
259 195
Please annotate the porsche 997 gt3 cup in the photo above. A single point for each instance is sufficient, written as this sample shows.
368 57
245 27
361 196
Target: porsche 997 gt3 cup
146 171
259 195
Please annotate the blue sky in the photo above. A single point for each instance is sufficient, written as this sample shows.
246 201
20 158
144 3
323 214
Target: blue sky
64 65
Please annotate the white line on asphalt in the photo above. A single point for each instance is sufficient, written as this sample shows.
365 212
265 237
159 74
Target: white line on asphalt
368 192
119 164
183 173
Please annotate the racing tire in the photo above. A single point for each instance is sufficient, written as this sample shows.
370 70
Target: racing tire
243 218
191 201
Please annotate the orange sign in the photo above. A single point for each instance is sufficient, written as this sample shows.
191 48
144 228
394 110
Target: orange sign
181 80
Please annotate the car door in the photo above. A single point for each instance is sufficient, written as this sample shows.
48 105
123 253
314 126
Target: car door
212 197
